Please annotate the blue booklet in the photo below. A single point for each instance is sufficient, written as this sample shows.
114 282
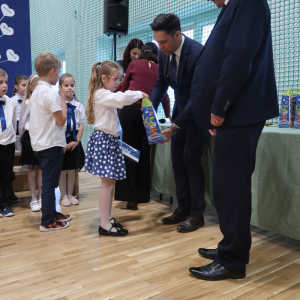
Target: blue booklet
129 152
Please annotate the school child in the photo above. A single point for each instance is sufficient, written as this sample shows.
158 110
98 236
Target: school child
48 115
7 147
104 156
27 155
73 157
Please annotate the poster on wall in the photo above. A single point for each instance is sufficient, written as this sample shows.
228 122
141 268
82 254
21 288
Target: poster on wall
15 51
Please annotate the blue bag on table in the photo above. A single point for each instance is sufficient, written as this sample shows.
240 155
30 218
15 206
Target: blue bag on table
151 123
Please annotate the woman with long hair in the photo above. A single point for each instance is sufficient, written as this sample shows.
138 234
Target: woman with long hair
141 75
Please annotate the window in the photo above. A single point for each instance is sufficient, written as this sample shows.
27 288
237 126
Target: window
206 31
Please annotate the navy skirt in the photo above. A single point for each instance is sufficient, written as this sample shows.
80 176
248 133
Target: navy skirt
104 156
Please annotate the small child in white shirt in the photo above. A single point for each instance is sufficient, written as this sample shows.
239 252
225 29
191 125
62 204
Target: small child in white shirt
7 147
48 115
27 155
104 156
73 157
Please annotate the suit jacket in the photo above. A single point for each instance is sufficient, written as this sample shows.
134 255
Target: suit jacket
234 77
189 56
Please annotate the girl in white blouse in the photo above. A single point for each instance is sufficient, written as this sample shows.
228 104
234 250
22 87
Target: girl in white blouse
73 157
27 154
104 156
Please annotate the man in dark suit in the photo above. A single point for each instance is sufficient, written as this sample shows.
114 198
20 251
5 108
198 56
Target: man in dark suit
233 94
177 60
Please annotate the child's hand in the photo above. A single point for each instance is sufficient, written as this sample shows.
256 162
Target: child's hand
62 96
145 96
72 145
65 150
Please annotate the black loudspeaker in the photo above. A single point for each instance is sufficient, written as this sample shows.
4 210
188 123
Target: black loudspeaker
116 17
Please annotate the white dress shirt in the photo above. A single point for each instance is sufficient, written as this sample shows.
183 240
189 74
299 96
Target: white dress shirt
43 130
8 136
178 54
106 102
226 2
79 114
15 98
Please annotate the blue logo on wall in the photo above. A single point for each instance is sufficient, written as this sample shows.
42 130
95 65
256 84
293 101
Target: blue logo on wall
15 52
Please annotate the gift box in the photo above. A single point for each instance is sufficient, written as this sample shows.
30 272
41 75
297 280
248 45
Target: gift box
151 123
129 152
287 108
297 112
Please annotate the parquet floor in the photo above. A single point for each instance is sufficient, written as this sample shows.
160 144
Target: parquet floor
150 263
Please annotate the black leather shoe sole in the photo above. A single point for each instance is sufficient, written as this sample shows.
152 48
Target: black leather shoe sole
220 277
119 232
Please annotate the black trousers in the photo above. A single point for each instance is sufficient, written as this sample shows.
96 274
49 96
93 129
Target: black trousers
233 166
186 151
7 176
136 186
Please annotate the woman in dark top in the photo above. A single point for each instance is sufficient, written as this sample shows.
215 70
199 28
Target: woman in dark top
141 75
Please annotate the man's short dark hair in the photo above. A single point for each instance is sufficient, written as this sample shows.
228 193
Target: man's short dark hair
169 23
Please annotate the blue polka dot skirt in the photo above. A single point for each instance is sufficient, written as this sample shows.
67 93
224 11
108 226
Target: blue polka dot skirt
104 156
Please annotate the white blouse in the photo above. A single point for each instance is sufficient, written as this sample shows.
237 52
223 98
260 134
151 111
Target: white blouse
79 114
106 104
24 117
8 136
15 98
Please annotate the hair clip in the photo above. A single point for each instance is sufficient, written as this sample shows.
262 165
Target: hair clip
98 64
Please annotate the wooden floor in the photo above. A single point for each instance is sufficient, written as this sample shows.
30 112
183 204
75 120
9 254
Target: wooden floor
152 262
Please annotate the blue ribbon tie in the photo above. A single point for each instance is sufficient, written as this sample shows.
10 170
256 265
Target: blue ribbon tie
2 115
20 101
71 114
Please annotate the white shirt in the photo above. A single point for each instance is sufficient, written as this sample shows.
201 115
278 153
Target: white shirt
43 130
106 102
226 2
79 114
178 53
15 98
8 136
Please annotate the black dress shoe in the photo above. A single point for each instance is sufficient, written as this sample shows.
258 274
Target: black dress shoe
177 217
208 253
215 272
15 199
119 232
191 224
116 223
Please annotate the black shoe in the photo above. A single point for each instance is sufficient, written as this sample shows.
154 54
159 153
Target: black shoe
116 223
15 199
215 272
177 217
132 205
191 224
119 232
8 212
208 253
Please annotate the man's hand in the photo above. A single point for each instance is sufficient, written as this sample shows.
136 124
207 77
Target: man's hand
168 134
213 132
216 120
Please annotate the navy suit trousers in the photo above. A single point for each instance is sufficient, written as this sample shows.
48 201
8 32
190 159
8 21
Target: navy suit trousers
233 166
186 150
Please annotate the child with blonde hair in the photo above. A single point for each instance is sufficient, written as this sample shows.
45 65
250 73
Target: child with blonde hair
27 155
104 156
73 157
48 116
